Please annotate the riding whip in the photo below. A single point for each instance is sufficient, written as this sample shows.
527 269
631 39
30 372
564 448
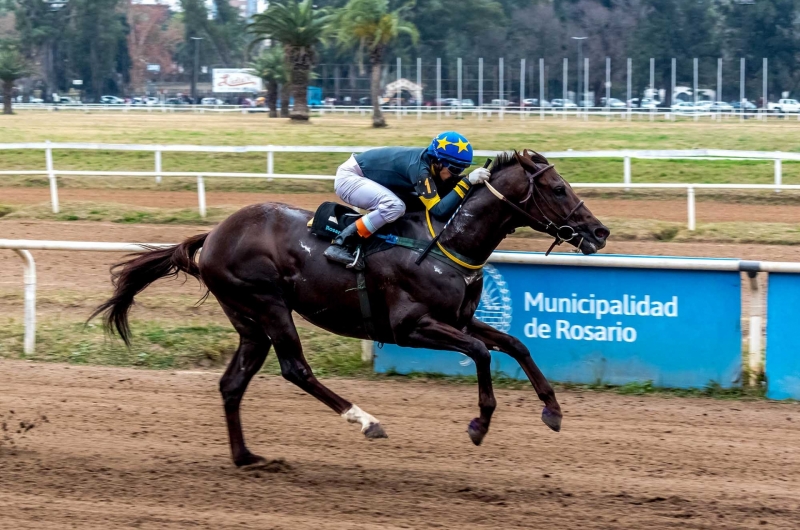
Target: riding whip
436 238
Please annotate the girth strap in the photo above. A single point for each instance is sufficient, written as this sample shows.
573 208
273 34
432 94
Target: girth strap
363 300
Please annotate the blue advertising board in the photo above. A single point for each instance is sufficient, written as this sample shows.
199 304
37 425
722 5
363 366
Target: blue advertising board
783 351
677 328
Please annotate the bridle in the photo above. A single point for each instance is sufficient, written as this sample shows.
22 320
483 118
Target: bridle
560 233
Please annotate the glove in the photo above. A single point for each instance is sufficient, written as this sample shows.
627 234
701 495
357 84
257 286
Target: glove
479 176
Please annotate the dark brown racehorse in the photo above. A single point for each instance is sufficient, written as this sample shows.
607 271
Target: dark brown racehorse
262 263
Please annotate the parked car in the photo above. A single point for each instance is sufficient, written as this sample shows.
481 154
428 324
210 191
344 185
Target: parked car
683 107
21 99
649 103
65 100
703 105
562 104
743 105
111 100
613 103
500 103
534 102
586 104
211 101
174 101
785 105
721 106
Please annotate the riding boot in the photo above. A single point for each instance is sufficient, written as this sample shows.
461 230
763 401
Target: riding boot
338 251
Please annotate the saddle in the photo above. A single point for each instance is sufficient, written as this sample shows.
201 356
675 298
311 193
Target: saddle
331 218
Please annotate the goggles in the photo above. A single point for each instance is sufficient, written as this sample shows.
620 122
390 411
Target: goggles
454 168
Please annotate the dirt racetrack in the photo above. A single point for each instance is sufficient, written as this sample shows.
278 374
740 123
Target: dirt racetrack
114 448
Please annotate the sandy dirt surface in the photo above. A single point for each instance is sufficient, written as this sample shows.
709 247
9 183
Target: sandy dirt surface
663 210
116 448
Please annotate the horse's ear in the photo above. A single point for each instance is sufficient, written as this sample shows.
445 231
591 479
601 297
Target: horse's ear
526 163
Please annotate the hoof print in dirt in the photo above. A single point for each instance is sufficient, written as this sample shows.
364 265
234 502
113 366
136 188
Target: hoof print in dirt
375 431
279 465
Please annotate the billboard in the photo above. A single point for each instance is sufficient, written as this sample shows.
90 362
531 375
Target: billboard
677 328
236 80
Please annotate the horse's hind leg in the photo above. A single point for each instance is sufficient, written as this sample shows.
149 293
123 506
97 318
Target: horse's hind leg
551 414
278 324
253 348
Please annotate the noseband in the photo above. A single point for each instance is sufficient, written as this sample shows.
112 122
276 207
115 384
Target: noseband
560 233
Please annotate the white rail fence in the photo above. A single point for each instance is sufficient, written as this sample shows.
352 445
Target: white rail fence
777 158
439 111
23 247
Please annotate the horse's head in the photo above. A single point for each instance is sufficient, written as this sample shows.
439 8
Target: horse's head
545 201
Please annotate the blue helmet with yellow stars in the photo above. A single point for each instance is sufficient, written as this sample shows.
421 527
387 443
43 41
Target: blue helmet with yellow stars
452 149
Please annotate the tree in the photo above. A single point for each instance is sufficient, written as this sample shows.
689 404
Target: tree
371 27
270 67
13 66
97 36
299 27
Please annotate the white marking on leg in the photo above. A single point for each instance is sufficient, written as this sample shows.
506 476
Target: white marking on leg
437 269
356 415
305 247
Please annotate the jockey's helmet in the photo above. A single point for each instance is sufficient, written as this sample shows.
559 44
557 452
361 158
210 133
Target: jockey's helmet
453 150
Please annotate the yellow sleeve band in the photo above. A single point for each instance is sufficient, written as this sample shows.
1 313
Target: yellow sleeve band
464 184
460 192
430 203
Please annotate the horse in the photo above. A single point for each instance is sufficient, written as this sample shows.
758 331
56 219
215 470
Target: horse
262 264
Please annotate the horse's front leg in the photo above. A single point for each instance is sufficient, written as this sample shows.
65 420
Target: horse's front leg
496 340
435 335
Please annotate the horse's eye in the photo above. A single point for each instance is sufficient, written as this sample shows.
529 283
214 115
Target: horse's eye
560 191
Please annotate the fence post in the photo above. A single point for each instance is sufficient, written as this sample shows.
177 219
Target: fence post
501 75
690 206
29 342
367 349
459 88
778 174
755 362
399 90
480 88
158 166
270 161
541 88
521 89
626 174
419 83
51 175
630 67
201 195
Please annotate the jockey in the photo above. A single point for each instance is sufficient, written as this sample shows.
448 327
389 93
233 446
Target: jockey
373 180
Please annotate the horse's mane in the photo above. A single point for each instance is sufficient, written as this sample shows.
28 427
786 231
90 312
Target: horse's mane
508 159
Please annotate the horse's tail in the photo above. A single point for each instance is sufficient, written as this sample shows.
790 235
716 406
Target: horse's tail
132 276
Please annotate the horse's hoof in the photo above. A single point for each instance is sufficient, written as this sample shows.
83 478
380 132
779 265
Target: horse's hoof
249 459
552 419
375 431
476 431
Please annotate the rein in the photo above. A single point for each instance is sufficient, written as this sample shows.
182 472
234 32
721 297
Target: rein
560 233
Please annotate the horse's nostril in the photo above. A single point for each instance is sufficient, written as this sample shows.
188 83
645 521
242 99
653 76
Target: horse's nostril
601 233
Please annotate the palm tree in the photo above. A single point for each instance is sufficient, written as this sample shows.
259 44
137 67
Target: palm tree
369 26
270 67
13 66
297 26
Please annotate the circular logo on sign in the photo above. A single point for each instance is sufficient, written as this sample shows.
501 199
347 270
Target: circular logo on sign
495 306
